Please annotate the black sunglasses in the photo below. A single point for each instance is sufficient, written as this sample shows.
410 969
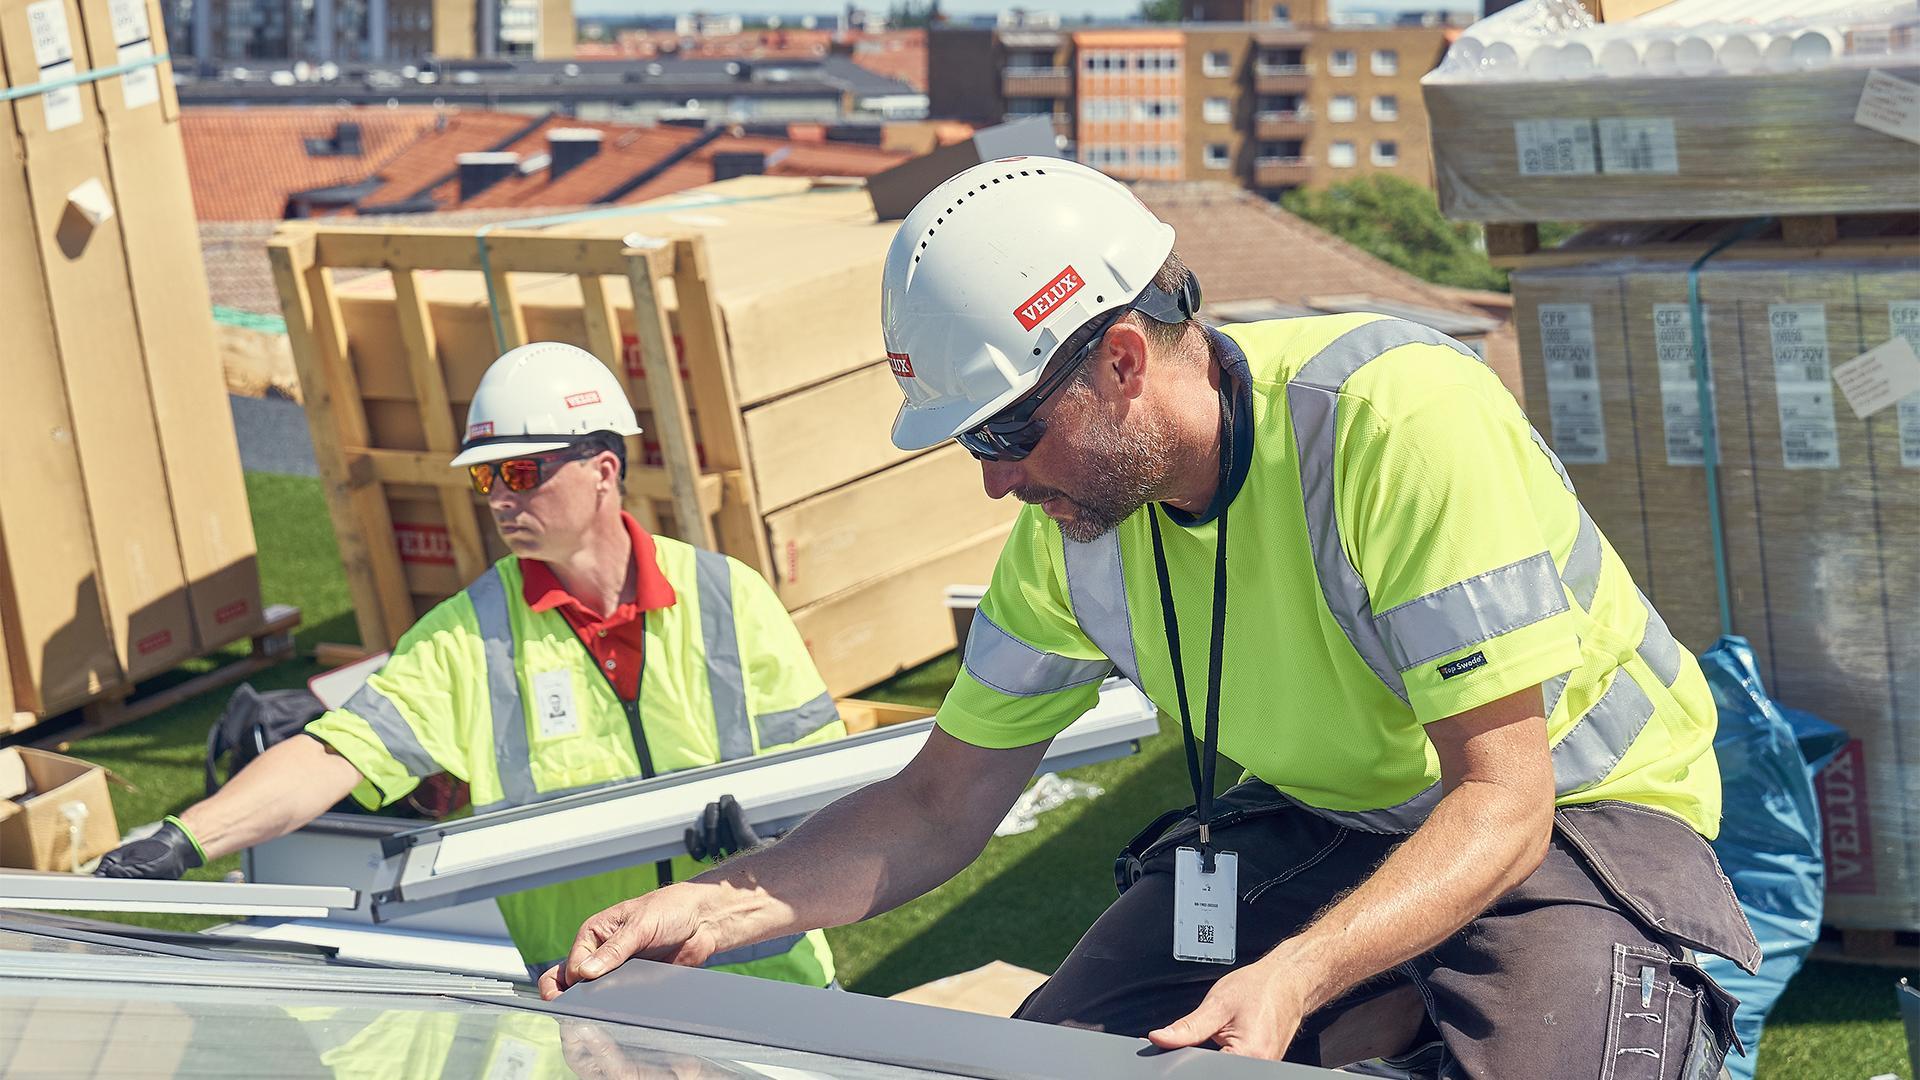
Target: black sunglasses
523 474
1012 433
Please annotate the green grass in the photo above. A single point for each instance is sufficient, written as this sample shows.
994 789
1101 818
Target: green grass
1025 901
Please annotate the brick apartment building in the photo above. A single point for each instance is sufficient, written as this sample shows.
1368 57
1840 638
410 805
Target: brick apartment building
1270 96
369 30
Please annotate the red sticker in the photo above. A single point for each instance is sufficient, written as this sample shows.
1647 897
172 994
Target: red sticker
230 612
901 364
480 430
423 543
1844 817
1049 298
584 397
154 642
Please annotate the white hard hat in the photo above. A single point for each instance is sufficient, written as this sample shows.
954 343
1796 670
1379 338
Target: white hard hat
543 396
992 271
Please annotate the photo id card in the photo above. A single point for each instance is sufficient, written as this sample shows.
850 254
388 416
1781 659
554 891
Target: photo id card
1205 907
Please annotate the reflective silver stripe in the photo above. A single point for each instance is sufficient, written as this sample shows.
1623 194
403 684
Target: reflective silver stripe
1313 396
1582 574
1658 647
726 682
1552 458
1017 669
1097 588
395 734
511 751
1596 743
789 725
1552 691
746 954
1472 611
1402 818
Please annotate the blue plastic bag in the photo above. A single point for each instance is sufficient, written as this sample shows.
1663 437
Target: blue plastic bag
1769 842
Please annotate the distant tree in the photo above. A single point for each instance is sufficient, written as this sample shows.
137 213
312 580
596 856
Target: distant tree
1160 10
908 15
1399 222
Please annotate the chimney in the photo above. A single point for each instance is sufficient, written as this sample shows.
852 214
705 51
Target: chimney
569 147
480 171
346 138
730 164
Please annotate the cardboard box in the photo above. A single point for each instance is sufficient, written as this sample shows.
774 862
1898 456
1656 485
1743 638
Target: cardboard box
82 257
859 715
36 833
213 526
993 989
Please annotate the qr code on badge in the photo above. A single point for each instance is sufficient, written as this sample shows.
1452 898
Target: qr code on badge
1206 933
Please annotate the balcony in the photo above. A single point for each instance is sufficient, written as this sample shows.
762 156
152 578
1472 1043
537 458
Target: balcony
1281 78
1282 123
1062 122
1050 82
1273 172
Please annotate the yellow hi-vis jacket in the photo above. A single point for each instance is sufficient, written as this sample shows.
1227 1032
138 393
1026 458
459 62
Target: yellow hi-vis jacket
1402 548
507 699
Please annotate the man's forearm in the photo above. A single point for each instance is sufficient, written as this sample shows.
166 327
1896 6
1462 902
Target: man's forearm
278 792
1479 842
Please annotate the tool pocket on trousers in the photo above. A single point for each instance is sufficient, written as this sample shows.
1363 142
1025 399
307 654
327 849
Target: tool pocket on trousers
1665 1019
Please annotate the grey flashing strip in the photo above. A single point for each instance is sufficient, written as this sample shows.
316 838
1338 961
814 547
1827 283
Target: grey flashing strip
698 1002
638 822
243 975
32 891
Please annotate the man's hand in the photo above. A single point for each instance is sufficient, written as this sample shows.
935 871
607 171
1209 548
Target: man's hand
1253 1011
663 925
165 855
723 830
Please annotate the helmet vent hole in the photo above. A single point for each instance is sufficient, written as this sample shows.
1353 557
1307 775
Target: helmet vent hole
1097 299
1036 350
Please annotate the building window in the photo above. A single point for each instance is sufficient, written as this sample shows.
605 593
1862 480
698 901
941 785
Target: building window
1217 64
1216 155
1386 152
1386 107
1340 108
1218 110
1342 62
1281 14
1340 155
1386 62
1156 108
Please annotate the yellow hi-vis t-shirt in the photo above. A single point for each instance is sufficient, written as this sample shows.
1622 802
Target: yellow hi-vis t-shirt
1402 548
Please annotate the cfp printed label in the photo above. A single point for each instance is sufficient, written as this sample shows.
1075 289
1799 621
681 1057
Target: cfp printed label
1904 315
1679 391
1049 298
1573 384
53 52
1803 385
133 36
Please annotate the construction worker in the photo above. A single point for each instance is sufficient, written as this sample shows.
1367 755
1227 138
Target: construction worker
594 653
1479 770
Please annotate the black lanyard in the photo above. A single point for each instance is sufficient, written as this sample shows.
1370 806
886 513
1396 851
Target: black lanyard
1201 775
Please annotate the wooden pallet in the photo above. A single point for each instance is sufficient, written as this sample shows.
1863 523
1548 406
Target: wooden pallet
1880 948
272 643
1516 245
691 406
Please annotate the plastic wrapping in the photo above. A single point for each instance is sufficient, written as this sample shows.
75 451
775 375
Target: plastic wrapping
1821 509
1769 843
1698 109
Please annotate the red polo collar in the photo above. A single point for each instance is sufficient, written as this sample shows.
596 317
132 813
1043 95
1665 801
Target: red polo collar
652 591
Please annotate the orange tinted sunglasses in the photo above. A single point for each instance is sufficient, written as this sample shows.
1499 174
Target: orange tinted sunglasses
523 474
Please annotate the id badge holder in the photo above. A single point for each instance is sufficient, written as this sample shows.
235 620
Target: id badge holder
1205 907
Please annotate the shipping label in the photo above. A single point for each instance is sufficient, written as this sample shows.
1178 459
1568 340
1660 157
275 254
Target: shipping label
1632 145
1803 383
1890 105
1905 317
1844 819
53 52
1573 383
133 36
1679 390
1555 147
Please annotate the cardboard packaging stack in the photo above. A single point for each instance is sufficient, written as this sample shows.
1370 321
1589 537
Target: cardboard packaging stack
1691 110
123 517
861 537
55 811
1820 505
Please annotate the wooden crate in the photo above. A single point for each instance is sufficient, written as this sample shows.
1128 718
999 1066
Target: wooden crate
767 434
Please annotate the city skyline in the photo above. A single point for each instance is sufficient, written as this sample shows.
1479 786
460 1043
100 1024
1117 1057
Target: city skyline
1067 9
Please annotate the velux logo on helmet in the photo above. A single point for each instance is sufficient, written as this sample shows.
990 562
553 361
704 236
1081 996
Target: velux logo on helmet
1051 295
480 430
584 397
901 363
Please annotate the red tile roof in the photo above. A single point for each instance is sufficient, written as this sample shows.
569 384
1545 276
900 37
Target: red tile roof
244 162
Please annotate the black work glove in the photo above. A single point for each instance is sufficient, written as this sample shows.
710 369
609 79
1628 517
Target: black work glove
721 831
164 856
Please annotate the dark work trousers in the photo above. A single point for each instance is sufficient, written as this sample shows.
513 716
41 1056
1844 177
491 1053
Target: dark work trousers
1583 970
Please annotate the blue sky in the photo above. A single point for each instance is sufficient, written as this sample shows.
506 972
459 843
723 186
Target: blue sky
1070 8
